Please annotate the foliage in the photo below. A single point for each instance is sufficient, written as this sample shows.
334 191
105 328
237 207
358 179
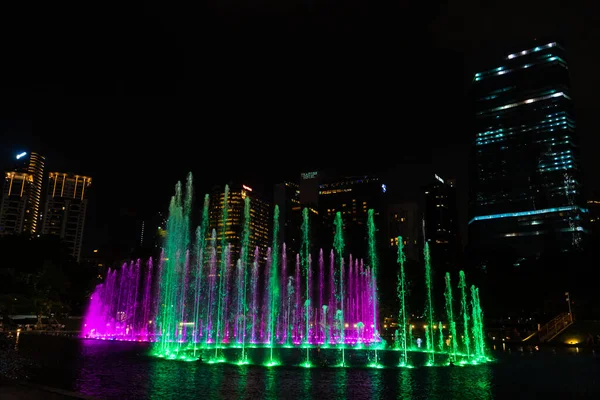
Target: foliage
38 276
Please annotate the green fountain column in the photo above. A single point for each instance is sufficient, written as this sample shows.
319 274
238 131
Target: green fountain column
274 285
201 233
401 290
464 310
245 243
450 315
338 245
429 305
305 263
372 241
222 270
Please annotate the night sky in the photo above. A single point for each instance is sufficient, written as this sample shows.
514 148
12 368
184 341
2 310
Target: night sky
135 96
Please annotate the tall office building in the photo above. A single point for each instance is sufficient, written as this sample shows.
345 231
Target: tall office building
441 221
260 219
22 194
352 197
65 210
526 183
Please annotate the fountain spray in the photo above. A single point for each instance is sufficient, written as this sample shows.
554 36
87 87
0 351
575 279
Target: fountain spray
223 269
338 245
305 261
464 310
244 265
401 289
274 282
201 232
450 314
429 304
373 288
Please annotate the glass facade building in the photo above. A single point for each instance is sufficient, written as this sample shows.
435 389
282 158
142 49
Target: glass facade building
526 188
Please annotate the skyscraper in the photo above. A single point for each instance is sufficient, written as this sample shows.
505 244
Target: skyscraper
526 188
22 194
260 219
287 196
65 210
441 221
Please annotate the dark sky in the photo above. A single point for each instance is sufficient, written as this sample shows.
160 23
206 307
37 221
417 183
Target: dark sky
139 93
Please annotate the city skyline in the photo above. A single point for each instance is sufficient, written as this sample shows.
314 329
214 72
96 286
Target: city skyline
324 94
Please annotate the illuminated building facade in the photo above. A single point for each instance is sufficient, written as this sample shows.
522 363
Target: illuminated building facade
441 221
21 195
65 210
526 185
352 197
260 220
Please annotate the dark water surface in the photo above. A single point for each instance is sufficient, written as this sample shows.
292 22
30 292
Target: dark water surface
122 370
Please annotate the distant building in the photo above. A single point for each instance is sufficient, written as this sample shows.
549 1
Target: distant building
441 221
594 207
526 190
65 210
287 196
20 208
260 219
404 219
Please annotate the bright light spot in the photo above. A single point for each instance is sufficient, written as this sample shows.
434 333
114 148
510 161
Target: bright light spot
20 155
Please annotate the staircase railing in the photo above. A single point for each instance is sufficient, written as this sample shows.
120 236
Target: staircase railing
555 326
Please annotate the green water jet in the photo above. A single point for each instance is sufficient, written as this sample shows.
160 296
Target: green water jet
401 290
373 259
223 267
305 262
429 304
201 233
338 245
464 310
450 315
274 282
244 261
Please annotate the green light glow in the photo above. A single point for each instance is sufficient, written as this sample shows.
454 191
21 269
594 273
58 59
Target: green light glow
462 285
338 245
401 289
450 315
373 259
274 281
429 305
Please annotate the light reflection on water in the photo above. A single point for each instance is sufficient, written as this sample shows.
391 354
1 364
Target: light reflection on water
122 371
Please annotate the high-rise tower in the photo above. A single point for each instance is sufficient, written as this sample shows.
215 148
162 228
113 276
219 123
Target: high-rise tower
65 210
22 195
260 219
526 188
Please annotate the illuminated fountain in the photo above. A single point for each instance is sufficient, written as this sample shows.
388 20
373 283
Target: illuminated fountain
202 303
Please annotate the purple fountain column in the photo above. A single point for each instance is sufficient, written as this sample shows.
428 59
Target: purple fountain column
226 295
349 297
282 317
212 278
297 306
254 301
318 308
147 302
308 316
266 301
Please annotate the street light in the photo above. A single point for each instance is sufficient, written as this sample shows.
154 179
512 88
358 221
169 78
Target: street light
569 302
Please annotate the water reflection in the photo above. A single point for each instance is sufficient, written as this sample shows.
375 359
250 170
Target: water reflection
405 384
123 371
